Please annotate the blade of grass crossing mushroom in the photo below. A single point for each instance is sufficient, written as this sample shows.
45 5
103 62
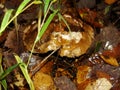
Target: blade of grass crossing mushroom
61 17
41 31
24 70
44 27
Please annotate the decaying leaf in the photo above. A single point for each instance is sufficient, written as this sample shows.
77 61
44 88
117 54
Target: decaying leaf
110 60
85 3
101 74
43 82
110 1
14 41
84 84
64 83
83 74
109 37
99 84
19 80
91 17
106 71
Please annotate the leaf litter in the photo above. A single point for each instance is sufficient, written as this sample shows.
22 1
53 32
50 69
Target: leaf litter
75 65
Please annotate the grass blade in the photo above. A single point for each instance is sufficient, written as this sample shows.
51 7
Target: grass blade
5 20
44 27
24 70
46 2
6 72
2 82
21 7
61 17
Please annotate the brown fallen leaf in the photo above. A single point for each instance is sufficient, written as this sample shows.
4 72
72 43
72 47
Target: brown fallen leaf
83 73
43 81
101 74
15 42
110 60
99 84
84 84
110 1
3 36
64 83
92 17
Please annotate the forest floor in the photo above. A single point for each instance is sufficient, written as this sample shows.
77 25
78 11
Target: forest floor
79 52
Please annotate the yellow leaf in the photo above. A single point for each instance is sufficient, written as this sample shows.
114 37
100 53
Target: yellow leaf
110 60
110 1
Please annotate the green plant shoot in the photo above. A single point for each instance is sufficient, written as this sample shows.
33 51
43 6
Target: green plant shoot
24 70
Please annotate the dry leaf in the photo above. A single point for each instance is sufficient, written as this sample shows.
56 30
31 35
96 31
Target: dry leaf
99 84
101 74
91 17
64 83
110 60
84 84
43 82
83 73
15 42
19 80
110 1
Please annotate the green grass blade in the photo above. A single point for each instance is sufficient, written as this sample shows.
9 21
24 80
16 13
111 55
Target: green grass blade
97 47
2 82
46 2
6 72
44 27
5 20
24 70
107 9
21 7
37 2
61 17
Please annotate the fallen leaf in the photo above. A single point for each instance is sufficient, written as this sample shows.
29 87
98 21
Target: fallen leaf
84 84
64 83
99 84
19 80
110 60
110 1
83 73
15 42
91 17
101 74
43 81
85 4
